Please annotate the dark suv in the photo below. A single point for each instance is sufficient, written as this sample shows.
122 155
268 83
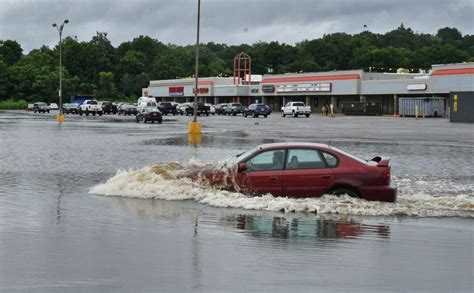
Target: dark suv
40 107
108 107
167 107
256 110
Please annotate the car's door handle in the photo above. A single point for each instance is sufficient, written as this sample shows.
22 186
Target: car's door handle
326 176
273 178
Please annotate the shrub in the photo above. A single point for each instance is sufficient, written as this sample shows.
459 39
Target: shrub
12 104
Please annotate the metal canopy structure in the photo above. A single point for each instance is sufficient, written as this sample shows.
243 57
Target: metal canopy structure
242 68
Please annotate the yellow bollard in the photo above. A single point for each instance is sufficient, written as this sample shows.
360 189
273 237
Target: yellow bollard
194 139
60 118
194 133
416 112
194 128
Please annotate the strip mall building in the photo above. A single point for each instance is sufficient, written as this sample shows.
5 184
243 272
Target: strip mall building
319 88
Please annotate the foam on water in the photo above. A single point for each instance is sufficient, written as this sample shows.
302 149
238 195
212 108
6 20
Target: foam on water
168 182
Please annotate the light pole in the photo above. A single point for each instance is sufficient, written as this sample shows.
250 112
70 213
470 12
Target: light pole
60 117
194 128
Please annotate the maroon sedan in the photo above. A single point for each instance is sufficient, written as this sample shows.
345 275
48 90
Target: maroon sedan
305 170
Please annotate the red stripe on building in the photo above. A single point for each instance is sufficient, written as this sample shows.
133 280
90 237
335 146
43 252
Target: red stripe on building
311 78
205 82
453 71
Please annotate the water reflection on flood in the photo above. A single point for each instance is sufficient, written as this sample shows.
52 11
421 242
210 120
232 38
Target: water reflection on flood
258 224
318 229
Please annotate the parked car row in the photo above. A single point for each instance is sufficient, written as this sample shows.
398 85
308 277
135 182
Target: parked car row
94 107
41 107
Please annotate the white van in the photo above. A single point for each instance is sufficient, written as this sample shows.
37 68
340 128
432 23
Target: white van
146 99
145 102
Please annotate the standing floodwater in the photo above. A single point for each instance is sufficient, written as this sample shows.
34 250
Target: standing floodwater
93 205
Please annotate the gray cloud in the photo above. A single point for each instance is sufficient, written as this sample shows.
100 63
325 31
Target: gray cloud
223 21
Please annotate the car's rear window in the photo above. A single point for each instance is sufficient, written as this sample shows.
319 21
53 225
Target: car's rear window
350 155
298 104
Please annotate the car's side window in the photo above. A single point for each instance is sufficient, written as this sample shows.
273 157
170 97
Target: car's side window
331 160
266 161
304 159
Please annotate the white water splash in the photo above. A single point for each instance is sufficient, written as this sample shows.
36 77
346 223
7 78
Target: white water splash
165 181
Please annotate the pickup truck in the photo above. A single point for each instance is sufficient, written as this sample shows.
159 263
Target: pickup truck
295 109
90 106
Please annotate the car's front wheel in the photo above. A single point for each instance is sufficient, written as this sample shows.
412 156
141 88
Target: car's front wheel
283 114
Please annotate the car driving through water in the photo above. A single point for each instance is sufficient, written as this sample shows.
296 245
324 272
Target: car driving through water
303 170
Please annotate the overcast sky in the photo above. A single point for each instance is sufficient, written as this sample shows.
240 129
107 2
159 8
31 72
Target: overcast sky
224 21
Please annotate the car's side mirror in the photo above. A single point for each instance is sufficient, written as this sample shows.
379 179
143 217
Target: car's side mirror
241 167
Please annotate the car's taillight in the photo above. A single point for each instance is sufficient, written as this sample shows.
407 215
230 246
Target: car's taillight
386 175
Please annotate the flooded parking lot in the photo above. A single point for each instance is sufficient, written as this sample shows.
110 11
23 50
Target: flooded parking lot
82 208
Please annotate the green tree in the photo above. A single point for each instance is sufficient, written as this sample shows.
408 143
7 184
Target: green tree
449 35
3 79
11 51
106 89
133 63
176 62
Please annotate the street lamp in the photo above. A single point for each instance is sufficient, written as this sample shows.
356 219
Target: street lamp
60 117
194 128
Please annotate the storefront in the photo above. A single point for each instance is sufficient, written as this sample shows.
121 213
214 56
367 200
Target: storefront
323 88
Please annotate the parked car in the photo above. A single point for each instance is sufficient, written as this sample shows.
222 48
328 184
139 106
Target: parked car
167 108
202 108
108 107
149 114
90 107
303 170
256 110
295 109
220 109
53 106
71 108
40 107
128 110
184 108
234 109
212 109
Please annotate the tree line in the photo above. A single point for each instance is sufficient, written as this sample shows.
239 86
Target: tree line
97 67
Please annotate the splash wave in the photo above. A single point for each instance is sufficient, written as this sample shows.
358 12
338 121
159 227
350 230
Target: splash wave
167 181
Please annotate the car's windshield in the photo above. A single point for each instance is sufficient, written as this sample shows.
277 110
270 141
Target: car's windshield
151 109
298 104
244 155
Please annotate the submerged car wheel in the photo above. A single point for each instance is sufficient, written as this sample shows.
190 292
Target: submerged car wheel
283 114
344 190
